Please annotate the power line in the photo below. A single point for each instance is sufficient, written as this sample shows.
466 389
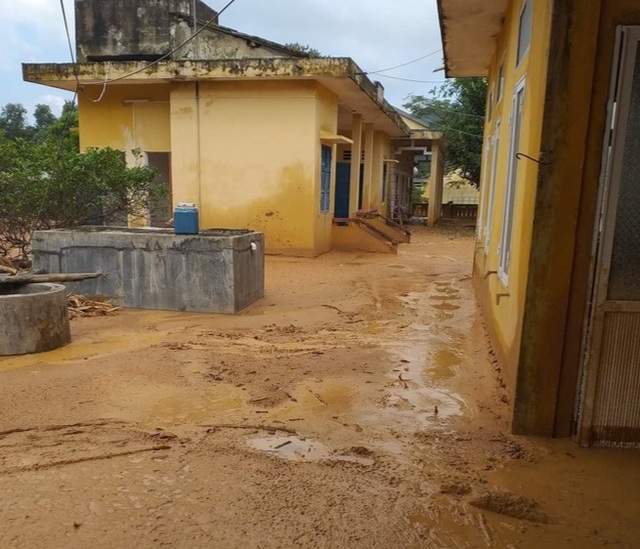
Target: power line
446 109
412 80
459 131
66 28
404 64
166 55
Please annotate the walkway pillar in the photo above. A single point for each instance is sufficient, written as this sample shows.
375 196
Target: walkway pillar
367 184
356 155
436 182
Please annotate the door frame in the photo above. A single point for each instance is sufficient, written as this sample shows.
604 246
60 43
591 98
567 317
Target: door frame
627 48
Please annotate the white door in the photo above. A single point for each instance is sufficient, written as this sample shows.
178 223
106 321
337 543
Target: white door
609 397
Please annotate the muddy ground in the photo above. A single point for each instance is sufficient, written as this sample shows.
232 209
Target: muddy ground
356 406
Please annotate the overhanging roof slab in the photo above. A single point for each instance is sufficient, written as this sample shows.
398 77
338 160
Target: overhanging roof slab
470 29
339 74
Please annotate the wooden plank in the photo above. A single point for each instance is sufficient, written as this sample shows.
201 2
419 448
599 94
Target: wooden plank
30 278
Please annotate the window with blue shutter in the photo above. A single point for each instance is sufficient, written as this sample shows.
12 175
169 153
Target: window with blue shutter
325 179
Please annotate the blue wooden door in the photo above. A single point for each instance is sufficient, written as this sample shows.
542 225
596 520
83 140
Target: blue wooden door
343 177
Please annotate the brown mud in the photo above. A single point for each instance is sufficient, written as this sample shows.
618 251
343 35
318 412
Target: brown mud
356 406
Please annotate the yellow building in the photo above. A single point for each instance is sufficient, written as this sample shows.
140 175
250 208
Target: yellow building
255 134
557 265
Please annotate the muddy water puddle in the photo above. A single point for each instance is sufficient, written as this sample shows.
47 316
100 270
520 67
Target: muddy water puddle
302 449
95 343
180 408
419 391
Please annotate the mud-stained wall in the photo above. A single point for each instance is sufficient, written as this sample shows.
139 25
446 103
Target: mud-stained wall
249 154
503 304
127 117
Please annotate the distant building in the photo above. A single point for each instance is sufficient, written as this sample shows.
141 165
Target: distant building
255 134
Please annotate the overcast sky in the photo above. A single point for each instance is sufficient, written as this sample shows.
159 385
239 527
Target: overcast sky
377 34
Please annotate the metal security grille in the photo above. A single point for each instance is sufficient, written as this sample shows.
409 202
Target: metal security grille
616 418
624 281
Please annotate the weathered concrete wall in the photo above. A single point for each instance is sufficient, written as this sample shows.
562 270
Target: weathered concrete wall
132 29
34 318
217 271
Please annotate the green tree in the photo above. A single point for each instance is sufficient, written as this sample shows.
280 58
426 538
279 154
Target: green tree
303 49
457 109
49 184
66 126
44 119
13 121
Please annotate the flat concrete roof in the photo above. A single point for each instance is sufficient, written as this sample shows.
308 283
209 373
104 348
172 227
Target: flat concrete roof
341 75
470 29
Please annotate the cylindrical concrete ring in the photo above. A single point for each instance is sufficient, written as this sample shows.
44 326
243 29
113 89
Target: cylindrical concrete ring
33 318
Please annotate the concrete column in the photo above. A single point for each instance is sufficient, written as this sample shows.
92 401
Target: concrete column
369 154
436 180
356 152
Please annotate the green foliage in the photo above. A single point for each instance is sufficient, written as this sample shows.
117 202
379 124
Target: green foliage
13 121
303 49
417 194
47 183
457 109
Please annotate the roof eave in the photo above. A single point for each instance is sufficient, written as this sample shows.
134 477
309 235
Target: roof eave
70 76
469 31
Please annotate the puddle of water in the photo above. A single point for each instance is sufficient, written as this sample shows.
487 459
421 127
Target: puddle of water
446 297
96 343
375 328
442 364
301 449
445 306
214 404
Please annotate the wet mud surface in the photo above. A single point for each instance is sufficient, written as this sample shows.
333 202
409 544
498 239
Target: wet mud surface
356 406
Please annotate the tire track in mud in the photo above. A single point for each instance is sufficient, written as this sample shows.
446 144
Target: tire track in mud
27 449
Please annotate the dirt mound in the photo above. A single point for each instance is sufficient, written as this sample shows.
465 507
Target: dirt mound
511 505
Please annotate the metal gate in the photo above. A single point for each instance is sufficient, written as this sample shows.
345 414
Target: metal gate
608 412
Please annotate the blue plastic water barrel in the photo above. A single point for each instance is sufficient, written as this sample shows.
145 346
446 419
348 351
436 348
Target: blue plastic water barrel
185 219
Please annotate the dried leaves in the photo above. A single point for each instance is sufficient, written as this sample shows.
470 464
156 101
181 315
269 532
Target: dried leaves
82 306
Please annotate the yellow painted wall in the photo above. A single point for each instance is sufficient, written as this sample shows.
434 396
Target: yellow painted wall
455 190
381 150
259 161
117 122
247 152
504 318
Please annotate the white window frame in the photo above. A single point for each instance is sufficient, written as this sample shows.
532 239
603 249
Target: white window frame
515 121
520 55
492 187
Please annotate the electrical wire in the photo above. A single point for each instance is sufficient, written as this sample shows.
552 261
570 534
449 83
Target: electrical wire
411 79
166 55
455 130
445 109
404 64
66 28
